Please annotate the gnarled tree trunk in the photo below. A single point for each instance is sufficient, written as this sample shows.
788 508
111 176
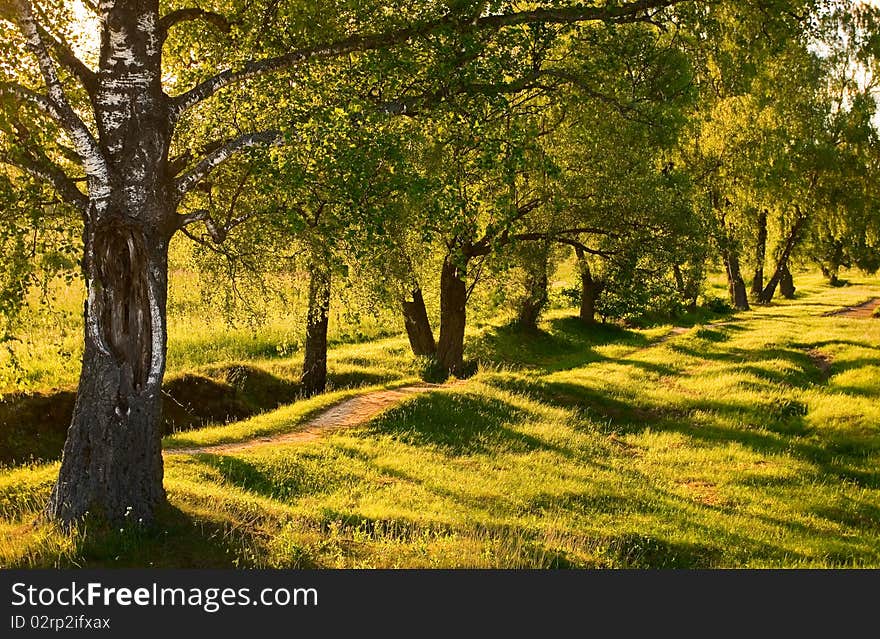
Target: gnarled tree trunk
726 240
688 288
112 461
786 284
735 285
453 301
314 373
534 295
418 327
831 272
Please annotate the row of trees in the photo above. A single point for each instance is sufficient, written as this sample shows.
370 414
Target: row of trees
413 141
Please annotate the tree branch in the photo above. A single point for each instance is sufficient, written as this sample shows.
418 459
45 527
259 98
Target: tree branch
216 157
192 13
23 96
218 233
633 11
57 105
71 62
31 158
43 169
552 237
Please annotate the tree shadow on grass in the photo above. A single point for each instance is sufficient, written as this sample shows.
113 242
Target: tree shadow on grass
777 428
569 344
803 372
459 424
282 479
177 540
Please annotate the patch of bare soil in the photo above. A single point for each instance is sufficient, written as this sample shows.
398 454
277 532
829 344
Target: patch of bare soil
703 492
821 361
347 414
865 310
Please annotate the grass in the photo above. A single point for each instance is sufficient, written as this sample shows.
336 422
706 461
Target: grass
753 442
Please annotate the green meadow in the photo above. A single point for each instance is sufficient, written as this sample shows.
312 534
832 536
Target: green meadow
749 440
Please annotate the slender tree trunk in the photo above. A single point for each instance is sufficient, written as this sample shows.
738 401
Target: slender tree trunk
418 327
453 301
760 254
314 372
590 289
736 287
112 461
782 263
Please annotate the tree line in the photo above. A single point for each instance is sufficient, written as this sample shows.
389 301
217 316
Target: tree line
412 141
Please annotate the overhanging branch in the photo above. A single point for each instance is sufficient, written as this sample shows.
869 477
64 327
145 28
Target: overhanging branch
627 12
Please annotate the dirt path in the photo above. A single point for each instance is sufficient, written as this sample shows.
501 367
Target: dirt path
675 332
865 310
346 414
351 412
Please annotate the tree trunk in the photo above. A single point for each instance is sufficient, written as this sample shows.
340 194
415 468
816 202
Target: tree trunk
314 373
418 328
590 289
760 254
534 297
112 461
735 284
782 263
786 284
726 240
831 271
688 283
453 300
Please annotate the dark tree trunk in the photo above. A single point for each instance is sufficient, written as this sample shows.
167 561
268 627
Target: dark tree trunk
112 461
686 290
590 289
760 254
418 327
786 284
688 283
831 271
314 373
534 297
453 301
782 263
735 285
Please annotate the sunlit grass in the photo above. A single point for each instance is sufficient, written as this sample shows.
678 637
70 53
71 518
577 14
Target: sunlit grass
751 443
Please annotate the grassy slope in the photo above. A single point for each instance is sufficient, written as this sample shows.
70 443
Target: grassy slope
728 446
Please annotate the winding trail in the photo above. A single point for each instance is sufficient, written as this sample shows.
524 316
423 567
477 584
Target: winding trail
865 310
346 414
